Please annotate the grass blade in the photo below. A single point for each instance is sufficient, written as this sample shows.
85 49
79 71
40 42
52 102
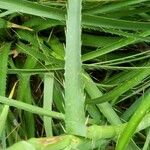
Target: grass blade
114 46
31 108
114 6
32 8
133 123
122 88
4 52
57 14
48 99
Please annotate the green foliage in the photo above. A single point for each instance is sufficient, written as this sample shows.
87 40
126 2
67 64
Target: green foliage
74 74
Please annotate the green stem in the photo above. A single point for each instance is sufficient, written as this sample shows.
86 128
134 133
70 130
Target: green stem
74 98
31 108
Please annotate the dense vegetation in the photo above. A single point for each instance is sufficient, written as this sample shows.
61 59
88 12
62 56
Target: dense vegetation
74 75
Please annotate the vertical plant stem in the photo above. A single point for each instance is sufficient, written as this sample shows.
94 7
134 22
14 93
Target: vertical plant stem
74 98
48 99
48 96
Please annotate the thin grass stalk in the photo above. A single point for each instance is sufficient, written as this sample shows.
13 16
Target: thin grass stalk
30 108
48 99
